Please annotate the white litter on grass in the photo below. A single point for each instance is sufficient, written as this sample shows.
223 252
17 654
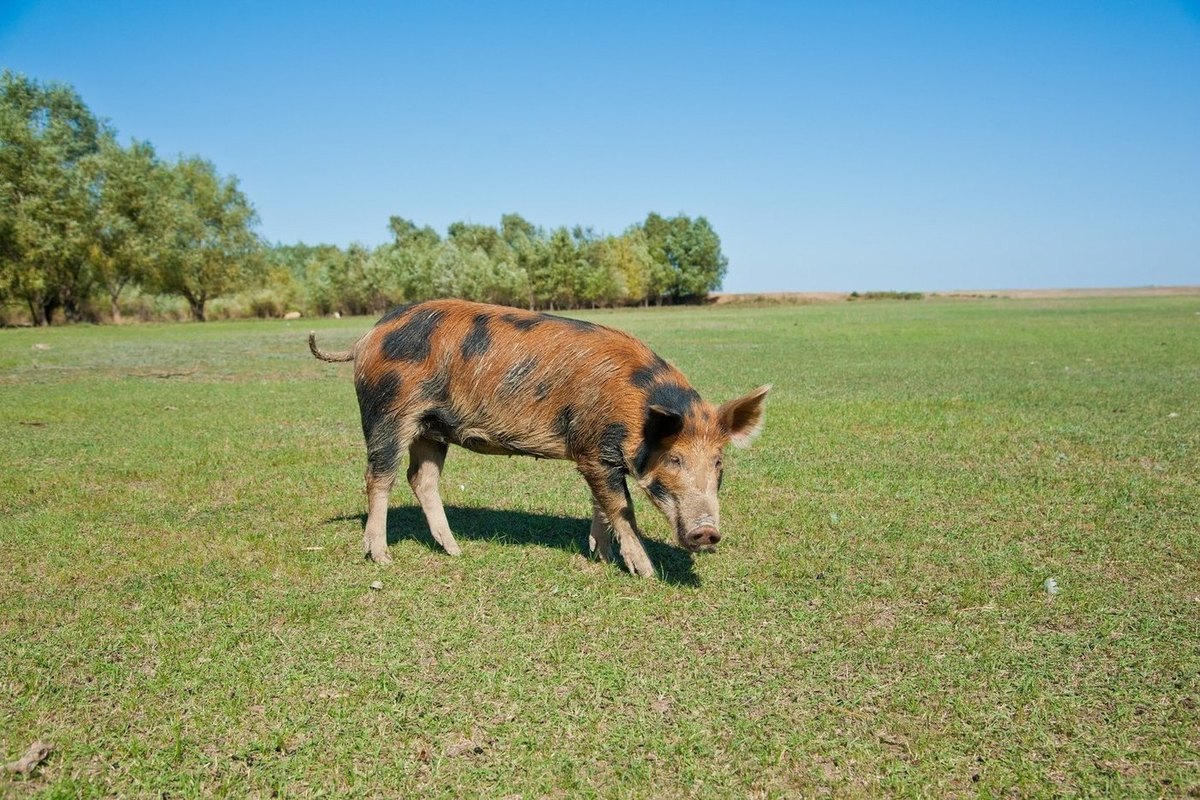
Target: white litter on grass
1173 415
462 486
377 585
1051 586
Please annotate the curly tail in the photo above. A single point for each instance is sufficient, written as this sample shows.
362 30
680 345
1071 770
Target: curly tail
343 355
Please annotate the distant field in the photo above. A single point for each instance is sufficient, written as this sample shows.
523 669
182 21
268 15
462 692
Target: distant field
184 610
722 298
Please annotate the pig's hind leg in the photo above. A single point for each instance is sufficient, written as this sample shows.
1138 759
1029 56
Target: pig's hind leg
386 435
425 460
600 536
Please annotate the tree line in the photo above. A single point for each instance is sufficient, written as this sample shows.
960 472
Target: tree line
86 223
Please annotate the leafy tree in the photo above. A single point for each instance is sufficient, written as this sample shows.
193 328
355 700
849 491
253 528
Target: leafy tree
130 222
700 262
595 278
414 268
309 268
634 264
448 270
353 281
487 280
362 281
406 233
470 236
562 270
515 229
212 249
46 131
688 256
527 244
383 287
626 261
658 232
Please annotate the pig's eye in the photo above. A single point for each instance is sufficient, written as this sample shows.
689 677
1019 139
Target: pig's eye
674 460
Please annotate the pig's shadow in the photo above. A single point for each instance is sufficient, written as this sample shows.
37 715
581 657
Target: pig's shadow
406 523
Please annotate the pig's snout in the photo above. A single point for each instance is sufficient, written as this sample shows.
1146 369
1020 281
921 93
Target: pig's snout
702 537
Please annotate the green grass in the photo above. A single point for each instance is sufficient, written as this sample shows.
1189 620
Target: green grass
184 610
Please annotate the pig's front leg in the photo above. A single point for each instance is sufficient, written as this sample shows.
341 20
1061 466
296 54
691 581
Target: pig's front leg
612 500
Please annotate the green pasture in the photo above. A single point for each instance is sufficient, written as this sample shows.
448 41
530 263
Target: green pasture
185 611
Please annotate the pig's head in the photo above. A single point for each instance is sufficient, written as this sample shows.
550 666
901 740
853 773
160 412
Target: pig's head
683 464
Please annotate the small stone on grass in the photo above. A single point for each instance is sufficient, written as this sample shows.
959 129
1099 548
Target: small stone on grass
36 754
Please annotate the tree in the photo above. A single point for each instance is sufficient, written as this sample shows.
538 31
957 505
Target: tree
307 268
595 278
212 249
470 237
562 270
626 260
350 285
526 242
46 131
130 222
515 229
677 259
406 233
699 261
687 254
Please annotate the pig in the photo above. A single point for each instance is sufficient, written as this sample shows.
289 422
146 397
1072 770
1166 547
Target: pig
504 381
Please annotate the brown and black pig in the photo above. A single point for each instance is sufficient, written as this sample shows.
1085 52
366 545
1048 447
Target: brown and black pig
504 381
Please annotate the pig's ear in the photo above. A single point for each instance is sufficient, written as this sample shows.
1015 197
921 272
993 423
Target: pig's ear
743 418
660 423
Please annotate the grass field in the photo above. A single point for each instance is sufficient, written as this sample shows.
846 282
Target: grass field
184 610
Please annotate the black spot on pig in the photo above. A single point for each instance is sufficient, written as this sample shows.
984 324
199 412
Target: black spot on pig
522 322
442 424
615 479
379 427
478 340
395 314
612 445
411 341
645 377
564 429
661 423
374 399
579 325
673 397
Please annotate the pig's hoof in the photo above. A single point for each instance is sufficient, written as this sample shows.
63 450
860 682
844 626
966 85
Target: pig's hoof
601 552
641 567
381 557
452 549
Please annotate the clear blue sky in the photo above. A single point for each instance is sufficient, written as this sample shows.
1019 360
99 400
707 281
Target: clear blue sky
834 146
